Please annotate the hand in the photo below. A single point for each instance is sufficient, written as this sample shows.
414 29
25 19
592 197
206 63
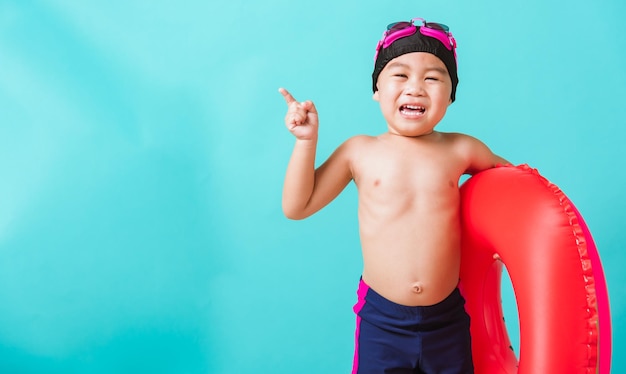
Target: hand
301 118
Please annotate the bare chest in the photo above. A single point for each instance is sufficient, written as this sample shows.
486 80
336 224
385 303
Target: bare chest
406 172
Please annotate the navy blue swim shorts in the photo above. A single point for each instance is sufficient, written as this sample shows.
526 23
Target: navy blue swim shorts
398 339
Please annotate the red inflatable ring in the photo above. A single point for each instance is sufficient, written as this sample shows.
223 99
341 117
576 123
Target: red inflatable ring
513 216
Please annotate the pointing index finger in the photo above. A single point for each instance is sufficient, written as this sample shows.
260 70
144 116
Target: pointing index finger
288 98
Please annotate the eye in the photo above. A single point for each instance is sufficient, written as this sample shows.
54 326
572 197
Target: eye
432 78
400 75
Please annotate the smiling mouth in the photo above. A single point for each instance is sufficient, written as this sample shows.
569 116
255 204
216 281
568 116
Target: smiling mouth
412 110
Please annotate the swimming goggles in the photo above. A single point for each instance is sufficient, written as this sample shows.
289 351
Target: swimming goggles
403 29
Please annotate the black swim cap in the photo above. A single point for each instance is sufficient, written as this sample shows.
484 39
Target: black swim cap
416 43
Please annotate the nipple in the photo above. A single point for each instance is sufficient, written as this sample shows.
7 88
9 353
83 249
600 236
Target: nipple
417 288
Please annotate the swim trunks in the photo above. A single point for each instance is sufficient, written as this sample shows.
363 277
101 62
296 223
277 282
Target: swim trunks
398 339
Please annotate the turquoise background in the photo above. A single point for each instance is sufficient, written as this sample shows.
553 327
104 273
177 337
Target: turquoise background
142 152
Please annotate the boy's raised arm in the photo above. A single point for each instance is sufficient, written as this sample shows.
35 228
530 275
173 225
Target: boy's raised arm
305 189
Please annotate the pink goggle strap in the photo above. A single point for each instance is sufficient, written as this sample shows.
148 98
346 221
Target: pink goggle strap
407 31
442 36
445 38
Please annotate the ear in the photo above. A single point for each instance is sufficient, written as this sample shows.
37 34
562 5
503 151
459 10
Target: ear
376 97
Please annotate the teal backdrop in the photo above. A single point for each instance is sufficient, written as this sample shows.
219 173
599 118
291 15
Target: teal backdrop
142 153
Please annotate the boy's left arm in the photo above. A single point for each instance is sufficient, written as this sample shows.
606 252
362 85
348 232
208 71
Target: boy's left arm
481 157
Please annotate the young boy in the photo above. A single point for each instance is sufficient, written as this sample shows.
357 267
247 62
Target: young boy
410 314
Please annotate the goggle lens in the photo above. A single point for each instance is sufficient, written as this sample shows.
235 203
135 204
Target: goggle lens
437 26
397 26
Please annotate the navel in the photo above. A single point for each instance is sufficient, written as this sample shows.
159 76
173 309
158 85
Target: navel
417 288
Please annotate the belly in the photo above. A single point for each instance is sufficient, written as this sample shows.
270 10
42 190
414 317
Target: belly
412 264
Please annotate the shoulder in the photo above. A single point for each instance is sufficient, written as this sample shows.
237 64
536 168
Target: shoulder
458 137
463 142
357 143
360 140
350 150
476 153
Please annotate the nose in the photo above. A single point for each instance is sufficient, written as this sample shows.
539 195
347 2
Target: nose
414 87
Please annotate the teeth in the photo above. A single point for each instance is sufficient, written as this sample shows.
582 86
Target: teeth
413 107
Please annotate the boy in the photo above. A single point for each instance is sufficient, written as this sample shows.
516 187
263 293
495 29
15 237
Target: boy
410 314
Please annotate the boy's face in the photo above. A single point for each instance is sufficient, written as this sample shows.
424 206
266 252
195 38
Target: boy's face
414 93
